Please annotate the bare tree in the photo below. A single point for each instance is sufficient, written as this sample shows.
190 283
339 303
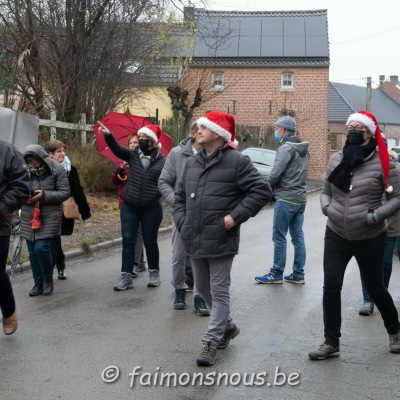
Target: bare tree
78 55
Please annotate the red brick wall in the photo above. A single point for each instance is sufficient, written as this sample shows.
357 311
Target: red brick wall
259 100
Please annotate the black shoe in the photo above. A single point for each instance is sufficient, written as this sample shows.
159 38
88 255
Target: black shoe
229 334
208 354
48 288
180 297
37 290
61 274
200 306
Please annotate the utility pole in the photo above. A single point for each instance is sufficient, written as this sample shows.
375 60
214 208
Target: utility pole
369 94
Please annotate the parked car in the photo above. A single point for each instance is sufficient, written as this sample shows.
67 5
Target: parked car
263 159
396 149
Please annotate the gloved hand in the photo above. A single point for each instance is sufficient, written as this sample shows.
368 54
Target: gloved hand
120 171
371 217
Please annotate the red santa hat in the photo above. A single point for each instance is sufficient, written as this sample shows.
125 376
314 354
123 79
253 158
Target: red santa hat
152 131
369 120
220 123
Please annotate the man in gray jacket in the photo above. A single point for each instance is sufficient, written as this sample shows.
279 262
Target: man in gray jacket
220 189
167 184
288 179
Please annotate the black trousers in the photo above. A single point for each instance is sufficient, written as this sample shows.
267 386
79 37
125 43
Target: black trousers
57 253
369 256
7 301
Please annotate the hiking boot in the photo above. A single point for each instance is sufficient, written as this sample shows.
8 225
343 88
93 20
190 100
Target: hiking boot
48 288
10 324
37 290
290 278
208 354
229 334
200 306
142 266
324 351
125 282
367 308
180 296
154 275
394 343
268 278
135 271
61 274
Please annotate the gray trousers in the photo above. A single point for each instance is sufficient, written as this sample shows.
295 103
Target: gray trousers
213 279
179 261
139 245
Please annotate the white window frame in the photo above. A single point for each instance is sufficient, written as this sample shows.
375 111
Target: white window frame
287 82
217 81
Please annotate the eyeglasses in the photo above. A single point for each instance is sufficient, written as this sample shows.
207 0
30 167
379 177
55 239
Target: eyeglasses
357 128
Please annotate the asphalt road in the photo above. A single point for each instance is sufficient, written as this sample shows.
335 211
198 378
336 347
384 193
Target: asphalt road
66 341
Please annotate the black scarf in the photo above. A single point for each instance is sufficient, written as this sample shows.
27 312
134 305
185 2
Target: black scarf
352 156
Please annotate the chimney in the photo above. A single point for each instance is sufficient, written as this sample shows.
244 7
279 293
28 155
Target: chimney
394 79
381 79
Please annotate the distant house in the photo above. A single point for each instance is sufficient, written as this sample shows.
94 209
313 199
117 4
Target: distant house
260 65
346 99
391 87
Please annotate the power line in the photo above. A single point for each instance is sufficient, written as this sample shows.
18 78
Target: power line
367 37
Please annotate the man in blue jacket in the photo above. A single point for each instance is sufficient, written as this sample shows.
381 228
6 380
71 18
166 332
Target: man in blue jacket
220 189
288 180
14 190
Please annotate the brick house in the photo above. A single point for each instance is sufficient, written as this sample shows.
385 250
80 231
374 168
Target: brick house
260 65
391 87
346 99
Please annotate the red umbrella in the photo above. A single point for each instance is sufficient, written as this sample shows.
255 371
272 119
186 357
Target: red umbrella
123 125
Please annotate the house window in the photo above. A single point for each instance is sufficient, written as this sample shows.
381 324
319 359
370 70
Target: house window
217 81
286 82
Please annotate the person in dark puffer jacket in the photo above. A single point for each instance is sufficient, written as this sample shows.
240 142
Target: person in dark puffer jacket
141 201
41 214
119 177
220 189
57 151
352 198
14 190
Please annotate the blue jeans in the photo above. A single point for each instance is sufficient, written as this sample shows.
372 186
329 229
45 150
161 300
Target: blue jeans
41 260
387 267
150 219
288 217
7 302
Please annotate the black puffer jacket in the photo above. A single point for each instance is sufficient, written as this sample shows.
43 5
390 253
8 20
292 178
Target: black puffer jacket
142 185
227 184
55 187
14 184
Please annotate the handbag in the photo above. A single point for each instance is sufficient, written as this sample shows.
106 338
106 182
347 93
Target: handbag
70 209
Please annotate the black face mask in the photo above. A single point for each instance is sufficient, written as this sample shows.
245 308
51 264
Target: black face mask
355 138
144 144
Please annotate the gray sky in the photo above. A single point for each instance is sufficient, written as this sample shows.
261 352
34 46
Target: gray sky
364 41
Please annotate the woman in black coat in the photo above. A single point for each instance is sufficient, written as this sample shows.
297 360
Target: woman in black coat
56 150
